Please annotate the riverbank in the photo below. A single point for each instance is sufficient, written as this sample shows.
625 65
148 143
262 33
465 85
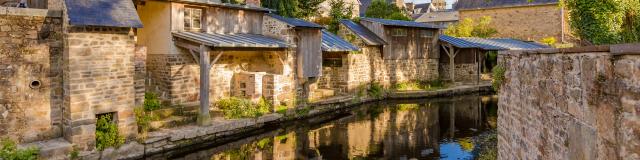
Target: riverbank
177 140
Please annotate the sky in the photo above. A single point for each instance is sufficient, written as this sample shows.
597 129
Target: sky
449 2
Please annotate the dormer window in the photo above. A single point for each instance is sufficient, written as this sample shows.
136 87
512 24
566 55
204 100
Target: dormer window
398 32
192 18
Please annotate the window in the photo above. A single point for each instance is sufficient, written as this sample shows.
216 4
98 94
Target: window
192 18
399 32
426 34
332 62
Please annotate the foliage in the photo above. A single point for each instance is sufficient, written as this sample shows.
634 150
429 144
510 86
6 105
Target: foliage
304 9
143 120
234 108
151 101
107 133
498 76
9 151
468 28
420 85
384 10
303 111
407 107
549 41
605 22
282 109
339 10
376 90
74 154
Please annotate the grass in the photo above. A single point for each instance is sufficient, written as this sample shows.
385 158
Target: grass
498 77
9 151
282 109
234 108
420 85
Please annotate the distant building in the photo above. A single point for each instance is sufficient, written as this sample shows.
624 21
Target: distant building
520 19
443 19
325 7
439 4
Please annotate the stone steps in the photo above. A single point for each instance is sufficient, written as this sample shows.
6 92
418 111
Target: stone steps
319 94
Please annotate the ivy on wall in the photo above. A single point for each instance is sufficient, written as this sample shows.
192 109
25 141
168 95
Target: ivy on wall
605 22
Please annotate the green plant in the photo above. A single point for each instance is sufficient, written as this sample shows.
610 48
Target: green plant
107 133
420 85
282 109
74 154
143 120
303 111
9 151
498 76
234 108
151 101
339 11
376 90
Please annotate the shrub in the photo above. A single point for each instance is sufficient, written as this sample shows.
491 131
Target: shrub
107 133
151 101
424 85
282 109
9 151
143 120
498 76
242 108
376 90
549 41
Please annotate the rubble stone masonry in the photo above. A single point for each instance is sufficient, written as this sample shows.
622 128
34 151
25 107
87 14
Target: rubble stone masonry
98 77
30 74
579 103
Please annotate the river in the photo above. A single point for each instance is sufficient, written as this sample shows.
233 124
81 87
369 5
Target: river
440 128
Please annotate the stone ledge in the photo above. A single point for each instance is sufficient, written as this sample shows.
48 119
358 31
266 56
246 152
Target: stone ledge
616 49
13 11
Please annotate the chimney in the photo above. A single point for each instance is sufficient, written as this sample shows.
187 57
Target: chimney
255 3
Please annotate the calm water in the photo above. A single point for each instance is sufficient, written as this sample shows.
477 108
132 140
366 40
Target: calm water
445 128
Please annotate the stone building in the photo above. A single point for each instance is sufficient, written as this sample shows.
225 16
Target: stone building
253 53
395 51
340 71
470 55
442 19
63 67
531 21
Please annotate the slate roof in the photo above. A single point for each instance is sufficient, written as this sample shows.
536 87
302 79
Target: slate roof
424 7
400 23
108 13
491 43
369 37
226 5
295 22
438 16
333 43
483 4
232 40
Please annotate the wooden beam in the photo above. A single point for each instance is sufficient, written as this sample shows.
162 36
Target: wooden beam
216 59
452 67
204 118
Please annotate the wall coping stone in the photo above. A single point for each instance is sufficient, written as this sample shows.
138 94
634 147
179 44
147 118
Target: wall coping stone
617 49
14 11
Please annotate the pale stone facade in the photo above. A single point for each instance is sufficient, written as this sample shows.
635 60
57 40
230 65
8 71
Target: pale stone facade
98 78
531 23
30 74
570 104
467 72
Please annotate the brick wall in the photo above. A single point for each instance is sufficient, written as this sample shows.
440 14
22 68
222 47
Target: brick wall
525 23
570 104
99 74
30 74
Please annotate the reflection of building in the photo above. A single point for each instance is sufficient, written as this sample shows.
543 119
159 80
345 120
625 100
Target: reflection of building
284 147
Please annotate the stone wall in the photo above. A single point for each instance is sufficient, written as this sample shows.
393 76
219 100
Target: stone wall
466 72
578 103
98 78
30 74
525 23
355 72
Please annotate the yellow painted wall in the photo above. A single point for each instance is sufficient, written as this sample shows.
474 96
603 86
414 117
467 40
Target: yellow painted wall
156 34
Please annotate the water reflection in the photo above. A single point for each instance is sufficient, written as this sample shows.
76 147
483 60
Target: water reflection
418 129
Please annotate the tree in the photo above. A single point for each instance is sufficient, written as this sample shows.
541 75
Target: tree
605 22
304 9
468 28
384 10
339 10
308 8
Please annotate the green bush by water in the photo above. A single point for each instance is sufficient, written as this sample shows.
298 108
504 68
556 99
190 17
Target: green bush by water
107 133
420 85
376 90
234 108
498 77
9 151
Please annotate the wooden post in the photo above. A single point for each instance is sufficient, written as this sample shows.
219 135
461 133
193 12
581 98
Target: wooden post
452 55
204 118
